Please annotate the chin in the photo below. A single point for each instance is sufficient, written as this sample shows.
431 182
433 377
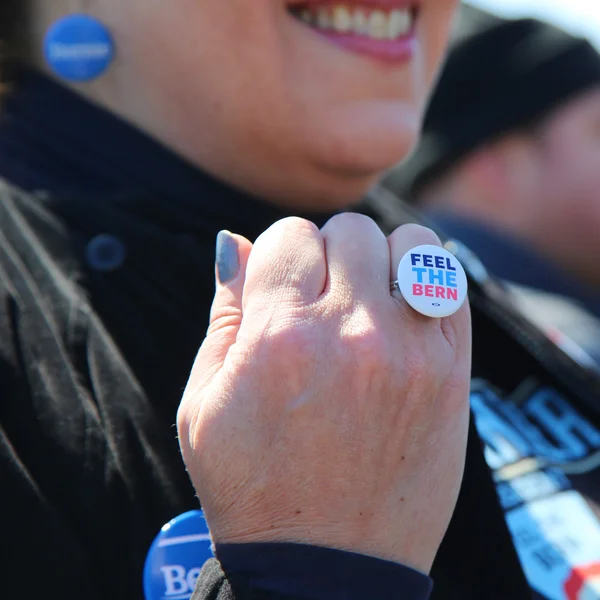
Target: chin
327 188
368 157
341 165
365 142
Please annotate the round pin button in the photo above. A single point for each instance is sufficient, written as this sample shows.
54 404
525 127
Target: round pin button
432 281
78 48
105 253
176 557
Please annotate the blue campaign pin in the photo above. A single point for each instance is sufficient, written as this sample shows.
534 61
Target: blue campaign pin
78 48
176 557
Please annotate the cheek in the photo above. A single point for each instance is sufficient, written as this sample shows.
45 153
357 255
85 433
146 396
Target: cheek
366 117
572 195
578 178
238 75
572 166
212 65
436 26
212 45
585 201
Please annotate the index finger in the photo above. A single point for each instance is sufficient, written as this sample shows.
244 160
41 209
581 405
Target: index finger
286 266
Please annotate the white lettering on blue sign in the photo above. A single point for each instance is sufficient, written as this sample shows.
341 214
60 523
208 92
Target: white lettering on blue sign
504 443
95 50
530 487
546 426
556 534
179 583
555 537
573 436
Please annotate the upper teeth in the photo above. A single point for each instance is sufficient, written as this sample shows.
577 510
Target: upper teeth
342 20
378 24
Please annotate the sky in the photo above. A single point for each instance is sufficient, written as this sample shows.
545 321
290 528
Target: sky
578 16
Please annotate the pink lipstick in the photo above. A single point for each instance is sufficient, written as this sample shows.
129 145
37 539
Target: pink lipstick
383 29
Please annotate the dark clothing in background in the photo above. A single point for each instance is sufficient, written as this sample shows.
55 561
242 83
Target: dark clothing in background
508 258
542 443
106 279
499 75
573 308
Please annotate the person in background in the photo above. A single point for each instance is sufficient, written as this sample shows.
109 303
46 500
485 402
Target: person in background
130 136
508 166
509 163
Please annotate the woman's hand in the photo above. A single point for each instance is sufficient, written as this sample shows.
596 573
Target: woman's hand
321 409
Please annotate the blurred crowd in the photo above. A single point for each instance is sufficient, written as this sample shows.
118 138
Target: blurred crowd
508 162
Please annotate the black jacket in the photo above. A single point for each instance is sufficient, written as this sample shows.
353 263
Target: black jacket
105 286
89 449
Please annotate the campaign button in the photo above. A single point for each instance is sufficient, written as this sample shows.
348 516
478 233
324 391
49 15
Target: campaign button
105 253
432 281
176 557
78 48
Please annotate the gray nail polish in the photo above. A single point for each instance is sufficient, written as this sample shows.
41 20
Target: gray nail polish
228 259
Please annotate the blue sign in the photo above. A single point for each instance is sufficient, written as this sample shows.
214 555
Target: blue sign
78 48
176 557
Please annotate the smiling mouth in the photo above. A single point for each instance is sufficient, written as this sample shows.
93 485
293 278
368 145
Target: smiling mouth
367 21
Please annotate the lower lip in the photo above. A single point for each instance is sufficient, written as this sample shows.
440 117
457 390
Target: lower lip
392 51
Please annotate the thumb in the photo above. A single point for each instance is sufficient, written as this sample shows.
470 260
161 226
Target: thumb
232 254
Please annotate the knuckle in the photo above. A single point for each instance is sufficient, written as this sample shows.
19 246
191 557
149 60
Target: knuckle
285 233
189 430
224 317
296 226
420 234
349 220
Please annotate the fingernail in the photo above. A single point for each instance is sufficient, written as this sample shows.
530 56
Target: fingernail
228 259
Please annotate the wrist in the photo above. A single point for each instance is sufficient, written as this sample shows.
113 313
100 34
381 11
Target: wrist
411 550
